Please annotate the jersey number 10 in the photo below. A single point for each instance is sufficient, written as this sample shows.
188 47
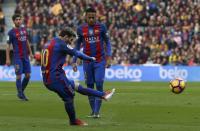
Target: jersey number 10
44 57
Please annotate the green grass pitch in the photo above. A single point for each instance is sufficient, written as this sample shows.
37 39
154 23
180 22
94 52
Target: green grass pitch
136 106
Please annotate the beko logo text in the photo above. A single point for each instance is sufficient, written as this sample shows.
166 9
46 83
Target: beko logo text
124 73
173 73
7 73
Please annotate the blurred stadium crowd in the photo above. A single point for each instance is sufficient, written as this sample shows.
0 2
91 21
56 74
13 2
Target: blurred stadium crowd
2 22
141 31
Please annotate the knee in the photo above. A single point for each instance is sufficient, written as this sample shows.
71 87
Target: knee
76 85
27 76
18 77
68 100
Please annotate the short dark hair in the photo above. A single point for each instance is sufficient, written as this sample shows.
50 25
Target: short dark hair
67 31
90 10
15 16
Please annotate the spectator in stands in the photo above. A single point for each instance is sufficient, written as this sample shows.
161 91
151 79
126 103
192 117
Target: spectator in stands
2 24
159 25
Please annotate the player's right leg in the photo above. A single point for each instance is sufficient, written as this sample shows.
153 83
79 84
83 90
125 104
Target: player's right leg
27 71
91 92
89 80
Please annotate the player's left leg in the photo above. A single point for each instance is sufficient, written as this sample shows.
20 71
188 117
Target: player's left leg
99 79
25 81
27 71
66 93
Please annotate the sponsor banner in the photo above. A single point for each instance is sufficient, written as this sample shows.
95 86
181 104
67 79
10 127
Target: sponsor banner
119 73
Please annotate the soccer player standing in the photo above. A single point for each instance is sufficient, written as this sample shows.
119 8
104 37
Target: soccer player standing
93 36
18 37
54 77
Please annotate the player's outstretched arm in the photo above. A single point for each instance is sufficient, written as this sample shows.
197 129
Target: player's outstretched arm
74 52
81 56
84 56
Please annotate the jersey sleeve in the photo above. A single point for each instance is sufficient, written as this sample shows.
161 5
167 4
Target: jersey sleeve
73 52
78 43
107 40
67 49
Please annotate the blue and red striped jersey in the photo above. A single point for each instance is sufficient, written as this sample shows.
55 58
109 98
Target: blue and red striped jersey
92 39
18 38
53 58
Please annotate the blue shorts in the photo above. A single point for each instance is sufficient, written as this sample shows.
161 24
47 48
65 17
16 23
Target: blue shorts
22 66
64 88
94 72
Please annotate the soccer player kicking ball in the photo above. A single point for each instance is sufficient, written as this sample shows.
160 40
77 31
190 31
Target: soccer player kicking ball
21 48
54 78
